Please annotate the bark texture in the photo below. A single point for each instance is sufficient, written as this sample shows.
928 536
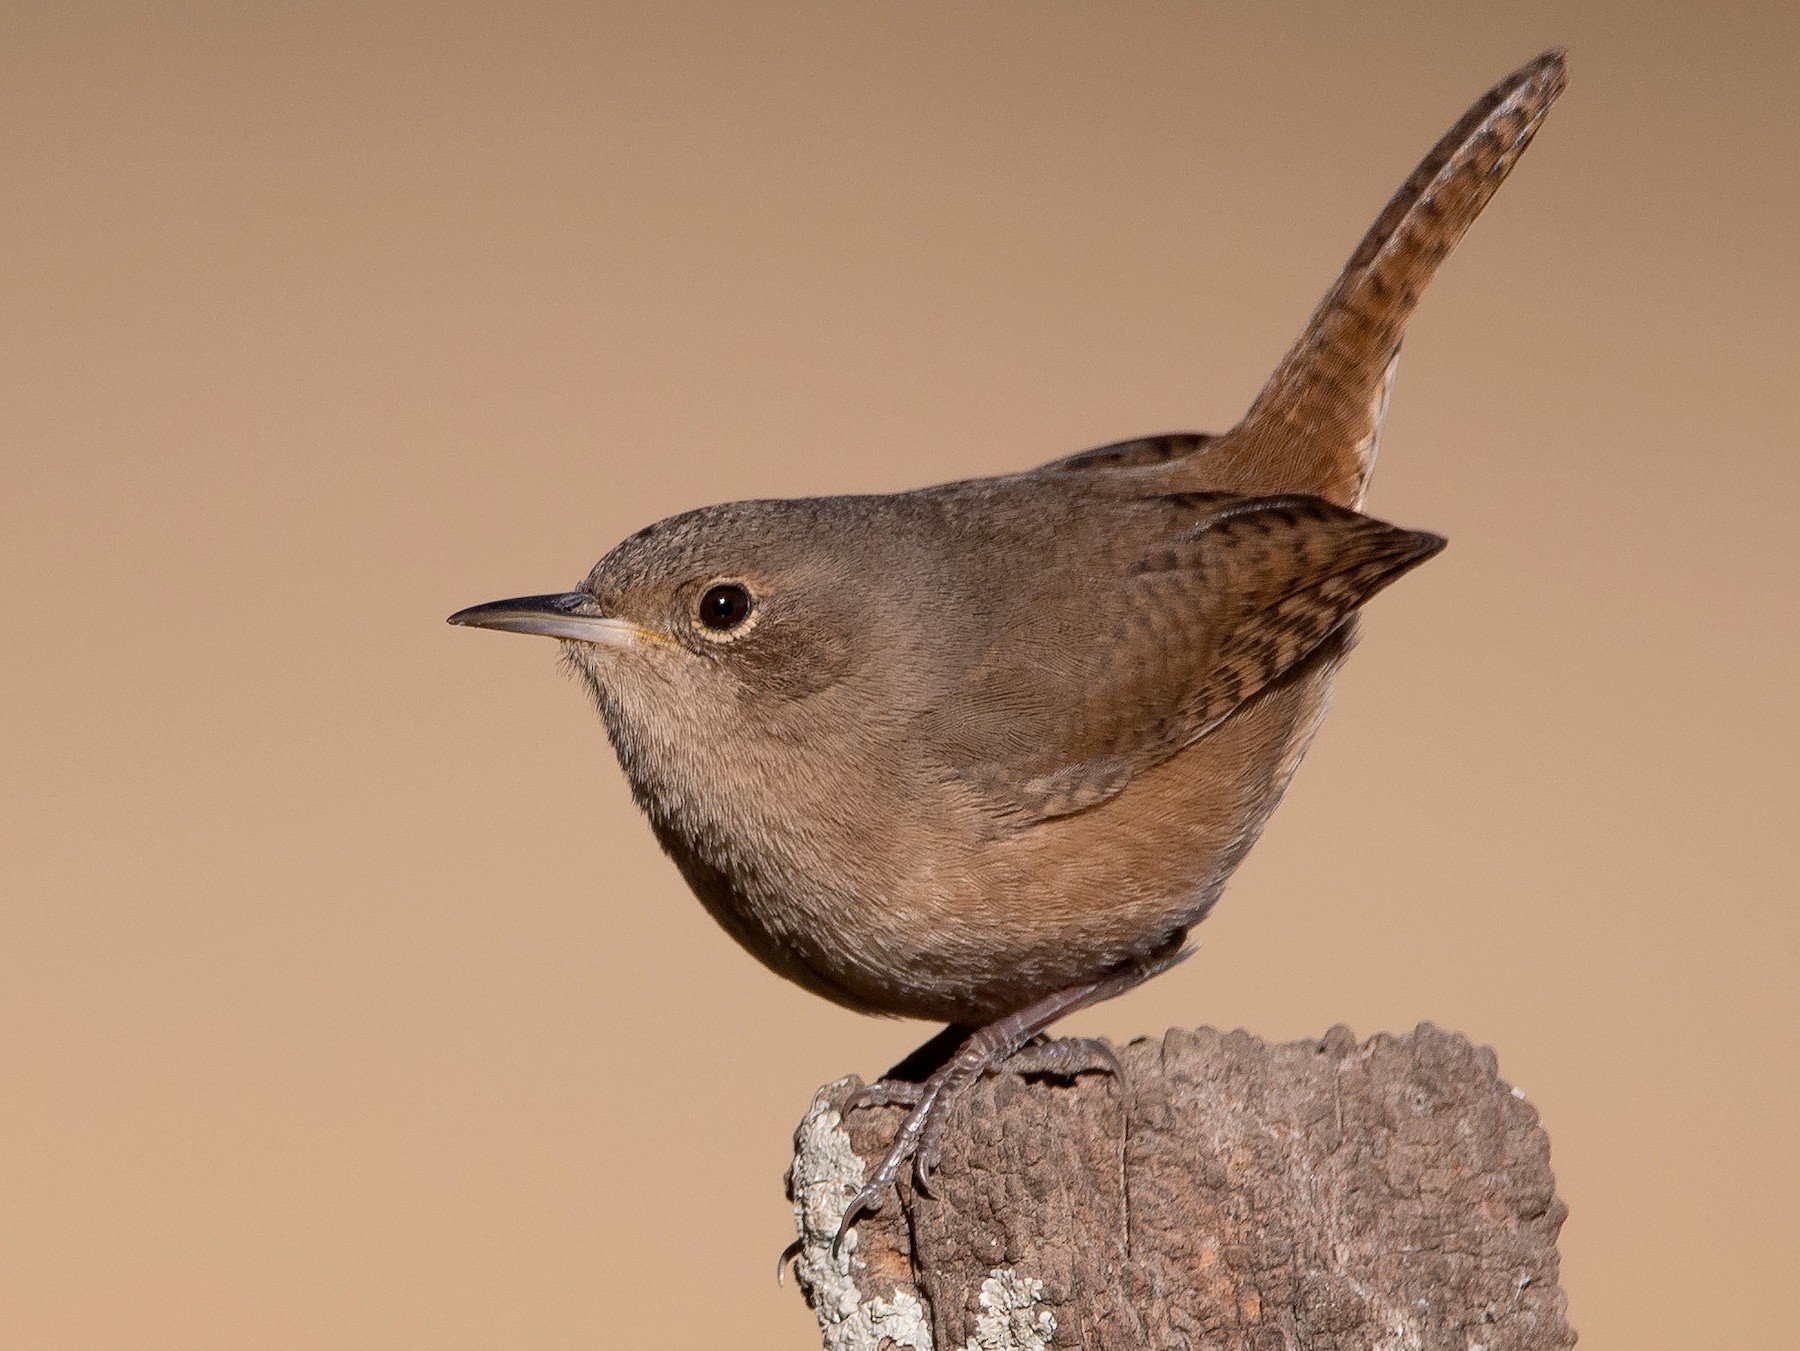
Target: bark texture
1224 1194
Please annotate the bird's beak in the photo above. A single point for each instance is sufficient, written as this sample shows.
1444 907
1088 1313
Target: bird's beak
572 614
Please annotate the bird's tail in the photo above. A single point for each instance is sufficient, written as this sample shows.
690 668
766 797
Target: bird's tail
1314 427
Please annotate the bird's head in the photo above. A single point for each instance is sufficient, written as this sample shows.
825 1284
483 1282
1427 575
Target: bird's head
712 631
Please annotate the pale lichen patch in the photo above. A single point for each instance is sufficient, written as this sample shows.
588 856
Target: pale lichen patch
1011 1319
827 1172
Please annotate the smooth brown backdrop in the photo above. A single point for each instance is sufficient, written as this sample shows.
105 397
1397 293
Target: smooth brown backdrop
345 1000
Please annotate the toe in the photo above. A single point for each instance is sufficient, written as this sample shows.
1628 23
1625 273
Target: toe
884 1093
1065 1057
925 1164
865 1202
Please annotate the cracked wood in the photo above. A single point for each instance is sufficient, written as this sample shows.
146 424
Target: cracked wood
1226 1193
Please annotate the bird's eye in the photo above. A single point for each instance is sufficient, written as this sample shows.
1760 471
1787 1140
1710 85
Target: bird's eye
725 606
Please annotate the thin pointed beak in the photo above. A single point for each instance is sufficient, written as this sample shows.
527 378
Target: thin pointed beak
572 614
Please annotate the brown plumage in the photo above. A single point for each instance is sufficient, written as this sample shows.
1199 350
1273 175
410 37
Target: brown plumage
984 751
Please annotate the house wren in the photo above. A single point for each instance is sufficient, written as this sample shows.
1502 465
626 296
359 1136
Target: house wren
983 752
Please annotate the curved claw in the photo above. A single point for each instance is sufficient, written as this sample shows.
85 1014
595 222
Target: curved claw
865 1202
1107 1055
928 1152
924 1165
788 1256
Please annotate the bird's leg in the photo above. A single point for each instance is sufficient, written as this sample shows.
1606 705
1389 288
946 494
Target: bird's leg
904 1084
984 1049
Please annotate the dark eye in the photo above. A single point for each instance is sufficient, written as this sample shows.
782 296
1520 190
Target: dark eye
725 606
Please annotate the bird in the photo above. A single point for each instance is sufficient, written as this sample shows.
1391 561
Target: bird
985 752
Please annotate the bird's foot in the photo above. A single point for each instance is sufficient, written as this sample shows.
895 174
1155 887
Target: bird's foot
988 1048
918 1136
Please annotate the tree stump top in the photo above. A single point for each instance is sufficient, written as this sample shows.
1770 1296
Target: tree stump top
1325 1195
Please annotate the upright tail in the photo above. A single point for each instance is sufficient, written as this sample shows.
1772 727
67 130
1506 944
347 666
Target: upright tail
1314 427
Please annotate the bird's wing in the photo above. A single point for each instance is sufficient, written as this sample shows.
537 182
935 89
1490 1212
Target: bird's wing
1230 594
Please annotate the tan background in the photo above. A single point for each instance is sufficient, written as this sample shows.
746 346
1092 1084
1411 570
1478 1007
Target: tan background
344 999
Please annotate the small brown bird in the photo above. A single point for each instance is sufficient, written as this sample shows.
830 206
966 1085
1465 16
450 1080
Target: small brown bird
985 751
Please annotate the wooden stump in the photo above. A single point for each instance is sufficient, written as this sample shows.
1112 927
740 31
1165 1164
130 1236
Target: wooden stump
1224 1193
